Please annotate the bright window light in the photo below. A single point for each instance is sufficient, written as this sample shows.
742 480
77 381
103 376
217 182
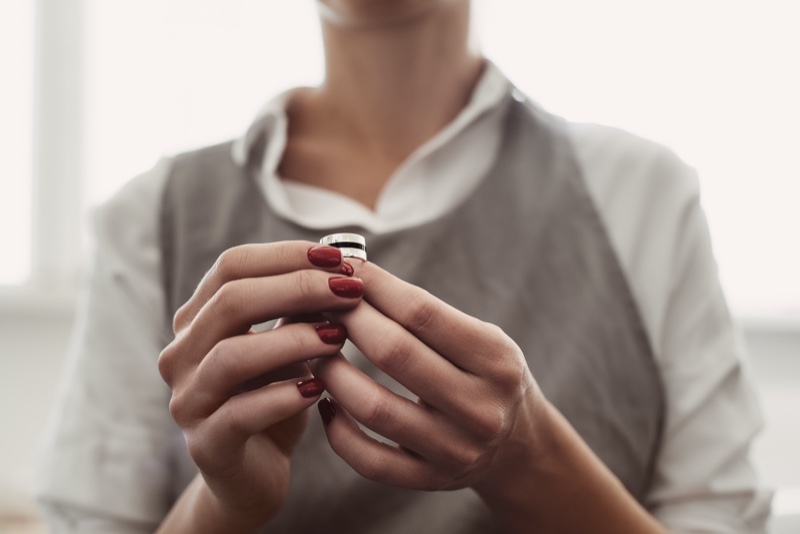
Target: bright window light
169 76
16 110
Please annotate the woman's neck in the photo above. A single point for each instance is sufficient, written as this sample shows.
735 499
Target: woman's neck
390 87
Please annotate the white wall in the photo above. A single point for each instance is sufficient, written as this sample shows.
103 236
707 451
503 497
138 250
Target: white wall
32 347
776 362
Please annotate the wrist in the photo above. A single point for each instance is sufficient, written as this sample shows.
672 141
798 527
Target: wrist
527 462
233 519
199 511
560 474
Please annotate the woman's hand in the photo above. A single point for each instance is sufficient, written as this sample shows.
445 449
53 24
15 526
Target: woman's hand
240 396
478 406
480 421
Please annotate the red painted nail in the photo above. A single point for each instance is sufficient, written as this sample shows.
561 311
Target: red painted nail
325 256
350 288
311 387
326 410
333 334
347 269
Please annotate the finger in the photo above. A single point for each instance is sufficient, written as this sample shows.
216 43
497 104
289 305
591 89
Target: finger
373 459
252 360
243 416
258 260
395 417
399 354
465 340
242 303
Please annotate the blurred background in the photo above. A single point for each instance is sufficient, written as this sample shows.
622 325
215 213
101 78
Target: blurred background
93 92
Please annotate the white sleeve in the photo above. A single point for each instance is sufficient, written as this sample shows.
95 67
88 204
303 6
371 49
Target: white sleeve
649 201
105 459
705 480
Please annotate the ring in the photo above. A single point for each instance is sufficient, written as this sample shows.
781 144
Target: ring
351 245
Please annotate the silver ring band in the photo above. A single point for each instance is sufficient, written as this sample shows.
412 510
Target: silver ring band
351 245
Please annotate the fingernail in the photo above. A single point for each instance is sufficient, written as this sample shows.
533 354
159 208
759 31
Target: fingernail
311 387
327 410
333 334
324 256
346 287
347 269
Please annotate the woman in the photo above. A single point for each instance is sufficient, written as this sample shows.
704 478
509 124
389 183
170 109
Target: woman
611 398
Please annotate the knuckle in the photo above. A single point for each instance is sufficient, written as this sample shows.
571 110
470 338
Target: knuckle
178 408
423 312
498 338
166 363
509 364
509 347
197 447
371 467
235 420
489 422
466 457
284 253
510 370
219 364
182 317
227 299
298 336
189 406
229 264
304 284
494 331
396 355
378 413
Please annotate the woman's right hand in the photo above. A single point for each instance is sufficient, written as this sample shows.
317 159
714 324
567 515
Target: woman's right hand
240 415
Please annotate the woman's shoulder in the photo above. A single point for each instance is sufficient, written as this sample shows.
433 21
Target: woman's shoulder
648 199
612 158
642 189
144 192
135 204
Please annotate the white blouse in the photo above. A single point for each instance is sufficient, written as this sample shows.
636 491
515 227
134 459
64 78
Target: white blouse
104 466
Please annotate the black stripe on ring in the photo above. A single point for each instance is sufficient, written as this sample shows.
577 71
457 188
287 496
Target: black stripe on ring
349 244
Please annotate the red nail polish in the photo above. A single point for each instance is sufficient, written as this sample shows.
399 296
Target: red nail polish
326 410
325 256
347 269
311 387
346 287
333 334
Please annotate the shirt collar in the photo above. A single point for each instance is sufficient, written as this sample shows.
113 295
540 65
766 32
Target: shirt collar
271 122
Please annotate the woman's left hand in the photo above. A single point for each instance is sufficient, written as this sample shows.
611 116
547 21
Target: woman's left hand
475 423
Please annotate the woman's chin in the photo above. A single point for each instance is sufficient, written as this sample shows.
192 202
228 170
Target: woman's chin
377 13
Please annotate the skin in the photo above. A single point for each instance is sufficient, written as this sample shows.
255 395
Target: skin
397 72
241 436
